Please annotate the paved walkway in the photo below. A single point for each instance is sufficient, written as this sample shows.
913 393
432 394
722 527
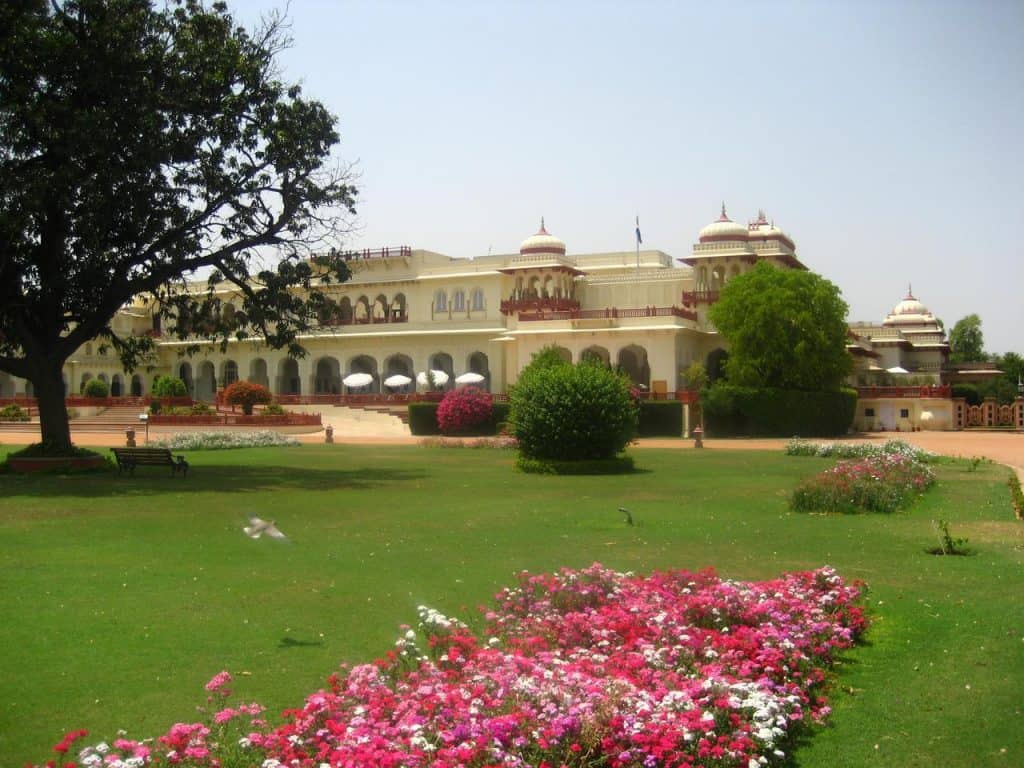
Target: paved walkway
1003 447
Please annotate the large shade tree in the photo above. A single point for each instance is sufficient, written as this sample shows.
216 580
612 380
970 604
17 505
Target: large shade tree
139 144
786 329
966 341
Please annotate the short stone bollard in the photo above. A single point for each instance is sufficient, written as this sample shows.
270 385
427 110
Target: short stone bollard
129 435
328 434
698 438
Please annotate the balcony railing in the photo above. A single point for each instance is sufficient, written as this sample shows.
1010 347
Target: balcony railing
608 313
396 316
691 298
510 306
941 391
399 252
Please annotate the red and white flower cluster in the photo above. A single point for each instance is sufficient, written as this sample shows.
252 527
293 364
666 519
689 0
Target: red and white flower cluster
579 668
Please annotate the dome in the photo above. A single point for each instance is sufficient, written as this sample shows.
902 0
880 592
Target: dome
762 229
723 228
542 242
910 310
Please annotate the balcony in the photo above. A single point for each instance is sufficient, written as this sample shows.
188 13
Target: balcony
692 298
611 313
512 306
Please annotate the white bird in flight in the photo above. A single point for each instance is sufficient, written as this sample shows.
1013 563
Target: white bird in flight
258 527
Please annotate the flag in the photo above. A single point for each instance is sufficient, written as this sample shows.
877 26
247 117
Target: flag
638 238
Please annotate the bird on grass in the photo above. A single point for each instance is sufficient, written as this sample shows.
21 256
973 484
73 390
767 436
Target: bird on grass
629 516
258 527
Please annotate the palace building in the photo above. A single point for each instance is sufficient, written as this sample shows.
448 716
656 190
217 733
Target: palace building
408 311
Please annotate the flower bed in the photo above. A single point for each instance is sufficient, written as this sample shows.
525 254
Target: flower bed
214 441
579 668
800 447
884 483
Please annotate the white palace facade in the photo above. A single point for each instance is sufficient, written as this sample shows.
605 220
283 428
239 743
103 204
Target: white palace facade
407 311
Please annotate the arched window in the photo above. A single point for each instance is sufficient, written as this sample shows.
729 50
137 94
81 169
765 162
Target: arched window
477 302
230 372
459 301
441 301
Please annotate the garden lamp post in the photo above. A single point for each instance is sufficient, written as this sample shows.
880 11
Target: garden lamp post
144 418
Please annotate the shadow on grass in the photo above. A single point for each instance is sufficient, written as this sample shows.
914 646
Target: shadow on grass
151 481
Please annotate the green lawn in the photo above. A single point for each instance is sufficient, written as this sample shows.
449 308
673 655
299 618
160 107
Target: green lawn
120 597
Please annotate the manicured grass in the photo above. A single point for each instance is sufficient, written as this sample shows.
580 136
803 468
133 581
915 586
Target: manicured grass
120 597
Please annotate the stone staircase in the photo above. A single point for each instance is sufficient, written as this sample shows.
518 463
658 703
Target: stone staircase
357 422
114 419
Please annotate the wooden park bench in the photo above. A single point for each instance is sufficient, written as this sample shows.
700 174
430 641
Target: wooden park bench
130 458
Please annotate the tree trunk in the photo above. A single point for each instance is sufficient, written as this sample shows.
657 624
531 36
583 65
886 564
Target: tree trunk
48 381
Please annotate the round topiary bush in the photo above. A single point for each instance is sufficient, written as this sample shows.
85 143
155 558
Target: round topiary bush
572 413
464 411
247 394
96 388
169 386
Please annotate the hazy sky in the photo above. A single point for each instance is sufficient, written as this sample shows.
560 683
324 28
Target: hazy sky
887 138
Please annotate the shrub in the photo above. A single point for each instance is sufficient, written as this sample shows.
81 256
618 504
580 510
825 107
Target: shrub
465 411
155 406
247 394
733 410
969 392
660 418
874 484
13 413
423 419
169 386
273 409
96 388
571 413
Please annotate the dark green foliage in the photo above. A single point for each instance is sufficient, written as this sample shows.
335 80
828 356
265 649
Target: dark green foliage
730 410
969 392
169 386
966 341
13 413
572 413
660 418
786 329
96 388
617 465
423 419
141 142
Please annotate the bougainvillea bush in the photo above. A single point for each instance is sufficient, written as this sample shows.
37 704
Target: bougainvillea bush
880 483
578 669
247 394
464 411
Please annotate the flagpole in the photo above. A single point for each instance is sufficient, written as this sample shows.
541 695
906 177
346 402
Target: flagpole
638 241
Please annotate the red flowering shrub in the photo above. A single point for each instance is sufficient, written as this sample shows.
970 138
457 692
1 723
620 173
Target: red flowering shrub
463 410
246 394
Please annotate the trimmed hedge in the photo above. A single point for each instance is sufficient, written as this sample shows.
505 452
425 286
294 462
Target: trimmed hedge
731 411
660 418
423 420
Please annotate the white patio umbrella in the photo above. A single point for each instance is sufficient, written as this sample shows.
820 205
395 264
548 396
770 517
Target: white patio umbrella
440 378
897 369
397 380
357 380
470 377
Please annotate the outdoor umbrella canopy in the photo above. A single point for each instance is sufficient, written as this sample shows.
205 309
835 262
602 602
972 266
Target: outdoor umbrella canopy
398 380
897 369
469 378
357 380
440 378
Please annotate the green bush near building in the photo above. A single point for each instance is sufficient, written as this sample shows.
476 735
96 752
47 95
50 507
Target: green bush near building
660 418
96 388
731 410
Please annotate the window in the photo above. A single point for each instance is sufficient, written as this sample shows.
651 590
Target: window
440 301
869 412
904 413
478 300
459 301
